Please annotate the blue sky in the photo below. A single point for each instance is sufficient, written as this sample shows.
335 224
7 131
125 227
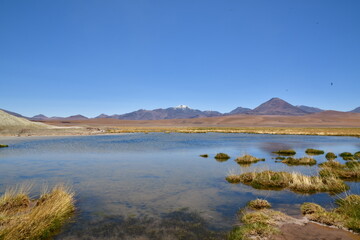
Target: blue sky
90 57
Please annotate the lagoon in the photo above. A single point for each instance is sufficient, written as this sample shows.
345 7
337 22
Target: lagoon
133 180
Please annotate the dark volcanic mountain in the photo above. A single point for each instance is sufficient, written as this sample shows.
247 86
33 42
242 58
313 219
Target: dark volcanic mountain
179 112
277 106
103 116
39 117
310 109
76 117
356 110
239 110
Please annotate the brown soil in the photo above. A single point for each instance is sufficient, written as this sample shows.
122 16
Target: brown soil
323 119
313 231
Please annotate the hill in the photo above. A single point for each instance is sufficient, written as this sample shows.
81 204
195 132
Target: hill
310 109
356 110
179 112
10 124
277 106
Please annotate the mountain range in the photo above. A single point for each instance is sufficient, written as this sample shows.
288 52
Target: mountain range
274 106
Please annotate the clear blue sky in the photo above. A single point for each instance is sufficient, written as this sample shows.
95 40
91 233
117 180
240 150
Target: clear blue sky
90 57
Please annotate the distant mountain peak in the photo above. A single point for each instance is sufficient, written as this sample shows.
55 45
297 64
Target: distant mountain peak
182 107
277 106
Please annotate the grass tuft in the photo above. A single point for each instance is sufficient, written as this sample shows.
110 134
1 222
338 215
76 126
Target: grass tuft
348 171
299 161
3 145
222 156
204 155
259 204
23 218
246 159
287 152
330 156
312 151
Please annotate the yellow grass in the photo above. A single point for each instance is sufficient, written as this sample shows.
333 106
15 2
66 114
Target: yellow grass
296 182
253 130
34 219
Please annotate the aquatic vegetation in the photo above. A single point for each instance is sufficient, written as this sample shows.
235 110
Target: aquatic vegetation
256 225
204 155
346 215
357 155
287 152
330 156
222 156
262 223
246 159
295 182
3 145
299 161
347 156
24 218
280 158
348 171
312 151
259 204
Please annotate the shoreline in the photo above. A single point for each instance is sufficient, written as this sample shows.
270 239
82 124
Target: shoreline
86 131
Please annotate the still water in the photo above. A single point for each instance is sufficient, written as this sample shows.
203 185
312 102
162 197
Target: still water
141 185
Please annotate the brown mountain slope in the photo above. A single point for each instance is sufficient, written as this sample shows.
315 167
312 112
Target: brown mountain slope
277 106
323 119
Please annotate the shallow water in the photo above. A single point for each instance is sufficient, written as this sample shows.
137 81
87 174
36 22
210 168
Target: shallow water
154 179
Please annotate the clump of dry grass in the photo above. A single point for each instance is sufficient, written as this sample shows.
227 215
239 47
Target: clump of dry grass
347 156
287 152
248 159
312 151
23 218
357 155
346 215
299 161
259 204
260 223
296 182
222 156
349 171
330 156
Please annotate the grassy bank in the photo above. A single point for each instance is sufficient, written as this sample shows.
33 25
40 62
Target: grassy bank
346 215
24 218
354 132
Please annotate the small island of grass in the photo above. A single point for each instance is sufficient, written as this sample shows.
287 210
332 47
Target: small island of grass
347 156
311 151
222 156
330 156
288 152
290 161
3 145
248 159
296 182
259 204
204 155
